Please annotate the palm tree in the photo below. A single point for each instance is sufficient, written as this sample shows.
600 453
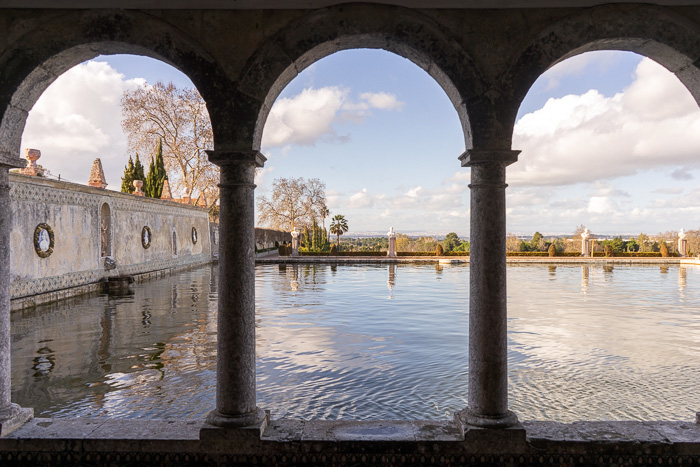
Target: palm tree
339 225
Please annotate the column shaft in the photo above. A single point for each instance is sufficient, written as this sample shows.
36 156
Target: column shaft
488 350
11 415
235 371
5 229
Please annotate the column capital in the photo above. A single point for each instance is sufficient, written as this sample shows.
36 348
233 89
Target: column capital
472 157
10 161
222 158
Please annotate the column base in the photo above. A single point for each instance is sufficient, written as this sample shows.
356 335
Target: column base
507 420
220 420
14 417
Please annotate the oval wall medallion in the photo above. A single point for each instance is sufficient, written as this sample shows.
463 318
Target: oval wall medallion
43 240
194 235
146 236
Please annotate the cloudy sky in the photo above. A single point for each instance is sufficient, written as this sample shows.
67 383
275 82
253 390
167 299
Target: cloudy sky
609 140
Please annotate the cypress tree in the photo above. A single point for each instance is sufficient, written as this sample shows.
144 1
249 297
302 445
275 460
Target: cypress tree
138 170
314 236
128 178
153 185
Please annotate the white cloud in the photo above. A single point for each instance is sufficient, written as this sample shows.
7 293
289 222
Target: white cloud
313 114
382 100
78 119
578 65
654 123
360 200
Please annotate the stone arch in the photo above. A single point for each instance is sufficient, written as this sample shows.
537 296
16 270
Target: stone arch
655 32
33 61
323 32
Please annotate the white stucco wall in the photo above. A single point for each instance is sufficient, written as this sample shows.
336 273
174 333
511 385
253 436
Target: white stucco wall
73 213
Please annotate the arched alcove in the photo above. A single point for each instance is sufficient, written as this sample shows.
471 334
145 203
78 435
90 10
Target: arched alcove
105 230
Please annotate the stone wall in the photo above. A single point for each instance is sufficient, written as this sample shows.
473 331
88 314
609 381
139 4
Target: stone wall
84 242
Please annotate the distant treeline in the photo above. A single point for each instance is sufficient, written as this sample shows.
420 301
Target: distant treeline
404 243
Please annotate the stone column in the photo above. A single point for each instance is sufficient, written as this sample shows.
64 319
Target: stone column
235 362
11 415
682 244
392 243
488 352
585 245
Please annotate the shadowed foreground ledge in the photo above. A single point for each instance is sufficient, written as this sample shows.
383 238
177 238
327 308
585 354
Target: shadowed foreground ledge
295 442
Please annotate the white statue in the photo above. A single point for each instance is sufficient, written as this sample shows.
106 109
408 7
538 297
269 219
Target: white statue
392 243
585 246
682 244
295 242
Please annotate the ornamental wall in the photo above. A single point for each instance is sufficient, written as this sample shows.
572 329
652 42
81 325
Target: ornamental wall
84 241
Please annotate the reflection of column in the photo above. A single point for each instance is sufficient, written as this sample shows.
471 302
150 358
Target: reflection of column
552 270
392 243
11 415
392 280
585 273
235 362
488 349
294 283
682 277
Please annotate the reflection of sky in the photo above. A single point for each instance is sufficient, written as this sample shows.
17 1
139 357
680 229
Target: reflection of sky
624 348
584 343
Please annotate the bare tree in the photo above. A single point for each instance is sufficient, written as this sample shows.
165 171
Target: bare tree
180 119
295 202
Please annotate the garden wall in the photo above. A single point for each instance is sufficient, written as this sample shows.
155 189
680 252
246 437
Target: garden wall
67 235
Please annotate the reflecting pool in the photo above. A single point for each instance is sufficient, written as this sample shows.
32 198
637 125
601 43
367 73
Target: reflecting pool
373 342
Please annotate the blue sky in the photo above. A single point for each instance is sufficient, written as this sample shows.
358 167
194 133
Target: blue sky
609 140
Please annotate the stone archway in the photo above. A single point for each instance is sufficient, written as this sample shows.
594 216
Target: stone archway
32 61
323 32
35 60
669 39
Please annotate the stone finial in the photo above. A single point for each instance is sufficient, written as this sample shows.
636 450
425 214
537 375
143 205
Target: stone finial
186 198
32 155
166 193
97 175
138 184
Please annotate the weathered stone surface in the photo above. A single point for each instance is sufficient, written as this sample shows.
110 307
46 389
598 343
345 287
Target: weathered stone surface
73 213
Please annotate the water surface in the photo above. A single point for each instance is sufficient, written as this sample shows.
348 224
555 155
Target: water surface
373 342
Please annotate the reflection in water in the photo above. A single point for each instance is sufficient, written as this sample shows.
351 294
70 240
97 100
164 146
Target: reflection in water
585 274
664 269
682 277
392 280
334 347
293 274
552 271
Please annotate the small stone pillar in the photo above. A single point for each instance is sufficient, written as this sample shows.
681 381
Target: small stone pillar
97 175
235 361
682 244
138 184
11 415
392 243
295 242
32 155
166 193
585 246
186 198
488 344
